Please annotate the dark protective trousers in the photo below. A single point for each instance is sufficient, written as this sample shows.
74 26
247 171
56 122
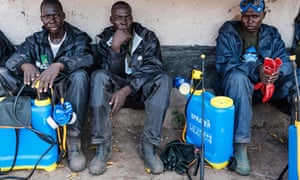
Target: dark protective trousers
239 87
153 97
75 87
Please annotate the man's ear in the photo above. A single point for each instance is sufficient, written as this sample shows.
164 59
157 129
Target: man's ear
298 16
110 19
64 15
265 12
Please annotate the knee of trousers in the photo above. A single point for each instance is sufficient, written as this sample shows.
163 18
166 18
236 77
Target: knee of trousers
237 82
3 70
79 80
80 75
236 78
164 81
99 76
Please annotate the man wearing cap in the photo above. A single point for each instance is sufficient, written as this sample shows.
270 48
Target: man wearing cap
241 50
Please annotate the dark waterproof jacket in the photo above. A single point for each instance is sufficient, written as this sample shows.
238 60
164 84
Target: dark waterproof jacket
229 51
6 49
74 53
296 39
146 59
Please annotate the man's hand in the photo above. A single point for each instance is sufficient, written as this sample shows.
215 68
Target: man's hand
267 78
268 74
48 76
30 72
118 99
121 36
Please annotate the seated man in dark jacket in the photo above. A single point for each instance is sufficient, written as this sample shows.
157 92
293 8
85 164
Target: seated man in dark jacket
296 40
241 49
58 53
6 49
132 76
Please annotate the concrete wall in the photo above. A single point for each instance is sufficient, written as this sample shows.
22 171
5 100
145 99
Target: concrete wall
176 22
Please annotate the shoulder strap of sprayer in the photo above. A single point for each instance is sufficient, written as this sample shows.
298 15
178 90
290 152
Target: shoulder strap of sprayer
58 93
61 137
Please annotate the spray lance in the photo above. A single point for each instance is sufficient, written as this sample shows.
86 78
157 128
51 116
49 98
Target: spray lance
202 131
197 79
194 87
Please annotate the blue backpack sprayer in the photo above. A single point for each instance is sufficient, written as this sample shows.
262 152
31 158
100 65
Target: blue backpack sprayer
209 122
294 134
35 146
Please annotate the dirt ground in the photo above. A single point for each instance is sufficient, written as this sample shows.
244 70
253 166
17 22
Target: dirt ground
268 151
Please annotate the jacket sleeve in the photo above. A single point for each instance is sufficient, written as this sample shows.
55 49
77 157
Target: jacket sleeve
21 56
279 50
82 54
229 52
109 59
152 62
6 49
296 37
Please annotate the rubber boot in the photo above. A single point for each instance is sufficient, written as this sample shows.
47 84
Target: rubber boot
151 159
242 162
76 158
98 163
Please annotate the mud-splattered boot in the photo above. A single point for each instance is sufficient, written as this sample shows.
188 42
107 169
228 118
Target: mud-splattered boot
98 163
242 162
151 159
76 158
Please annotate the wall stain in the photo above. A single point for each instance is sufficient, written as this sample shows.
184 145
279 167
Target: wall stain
269 1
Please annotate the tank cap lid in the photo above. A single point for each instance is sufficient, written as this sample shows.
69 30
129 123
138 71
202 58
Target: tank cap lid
221 102
43 102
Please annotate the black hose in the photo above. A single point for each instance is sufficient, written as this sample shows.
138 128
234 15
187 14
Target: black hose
47 138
